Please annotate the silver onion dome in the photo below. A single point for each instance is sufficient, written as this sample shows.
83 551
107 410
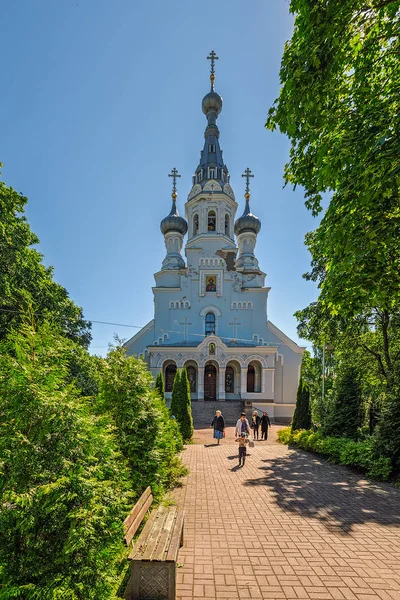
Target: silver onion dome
248 221
174 222
212 102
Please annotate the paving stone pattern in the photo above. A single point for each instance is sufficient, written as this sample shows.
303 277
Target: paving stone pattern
288 525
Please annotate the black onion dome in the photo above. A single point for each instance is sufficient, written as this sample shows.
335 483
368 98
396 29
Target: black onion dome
248 221
174 222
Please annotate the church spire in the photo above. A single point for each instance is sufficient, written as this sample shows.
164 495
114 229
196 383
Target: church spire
211 164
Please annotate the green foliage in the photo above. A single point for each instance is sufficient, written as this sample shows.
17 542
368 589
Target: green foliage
364 455
302 413
346 415
149 439
63 483
159 386
175 396
25 282
181 404
339 106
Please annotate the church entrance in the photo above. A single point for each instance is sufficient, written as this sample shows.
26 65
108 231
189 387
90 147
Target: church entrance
210 382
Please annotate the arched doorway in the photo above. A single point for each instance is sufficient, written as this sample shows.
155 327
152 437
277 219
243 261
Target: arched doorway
210 382
170 372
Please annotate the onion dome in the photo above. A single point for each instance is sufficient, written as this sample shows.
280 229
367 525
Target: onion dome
212 102
174 222
248 221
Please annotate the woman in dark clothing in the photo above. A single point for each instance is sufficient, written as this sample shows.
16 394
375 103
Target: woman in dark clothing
218 423
265 423
255 424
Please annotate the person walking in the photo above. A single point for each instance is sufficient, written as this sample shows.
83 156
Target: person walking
218 423
255 424
265 423
242 426
243 441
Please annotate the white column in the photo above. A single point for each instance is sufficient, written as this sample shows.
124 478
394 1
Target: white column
268 384
243 383
221 384
200 383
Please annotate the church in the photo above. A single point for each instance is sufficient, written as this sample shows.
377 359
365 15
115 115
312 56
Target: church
210 308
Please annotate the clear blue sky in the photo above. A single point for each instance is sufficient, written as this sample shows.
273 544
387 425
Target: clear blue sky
101 99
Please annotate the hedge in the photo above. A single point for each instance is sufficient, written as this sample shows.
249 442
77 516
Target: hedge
361 454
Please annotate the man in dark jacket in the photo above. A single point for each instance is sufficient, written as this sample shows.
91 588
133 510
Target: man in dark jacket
265 423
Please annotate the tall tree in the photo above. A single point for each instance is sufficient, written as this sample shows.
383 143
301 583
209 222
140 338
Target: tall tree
25 282
339 105
302 412
346 417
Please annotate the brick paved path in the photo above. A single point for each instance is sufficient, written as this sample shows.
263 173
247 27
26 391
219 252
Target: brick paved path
287 525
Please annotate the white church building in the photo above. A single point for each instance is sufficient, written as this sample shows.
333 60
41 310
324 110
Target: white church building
210 308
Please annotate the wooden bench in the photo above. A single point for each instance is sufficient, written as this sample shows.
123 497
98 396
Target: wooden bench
154 555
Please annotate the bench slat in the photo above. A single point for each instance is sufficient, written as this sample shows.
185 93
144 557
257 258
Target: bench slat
140 546
160 550
155 533
136 508
177 537
135 524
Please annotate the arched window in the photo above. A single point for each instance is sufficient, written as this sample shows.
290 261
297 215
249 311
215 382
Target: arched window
210 323
229 380
170 373
251 376
212 220
195 224
227 227
192 376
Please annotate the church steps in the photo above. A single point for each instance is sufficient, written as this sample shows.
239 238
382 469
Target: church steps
203 412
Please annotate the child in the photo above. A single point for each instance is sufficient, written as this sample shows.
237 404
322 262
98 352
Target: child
242 448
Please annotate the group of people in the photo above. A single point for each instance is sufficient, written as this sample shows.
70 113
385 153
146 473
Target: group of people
242 430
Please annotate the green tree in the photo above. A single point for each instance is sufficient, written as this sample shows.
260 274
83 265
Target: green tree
149 439
302 412
63 483
159 386
185 416
175 396
181 404
346 417
339 105
25 282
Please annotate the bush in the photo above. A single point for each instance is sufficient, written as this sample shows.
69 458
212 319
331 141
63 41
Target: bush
63 483
363 454
181 404
149 439
302 413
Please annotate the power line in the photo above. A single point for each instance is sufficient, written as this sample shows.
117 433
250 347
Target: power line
202 335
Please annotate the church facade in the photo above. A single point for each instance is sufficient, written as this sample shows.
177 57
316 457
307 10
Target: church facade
210 309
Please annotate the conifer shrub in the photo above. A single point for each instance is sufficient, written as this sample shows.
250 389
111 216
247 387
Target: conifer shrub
181 404
149 439
159 385
346 415
185 416
302 413
175 396
64 486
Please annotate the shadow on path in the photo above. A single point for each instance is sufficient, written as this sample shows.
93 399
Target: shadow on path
310 486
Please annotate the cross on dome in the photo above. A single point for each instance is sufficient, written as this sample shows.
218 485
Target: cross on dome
213 57
247 174
174 174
